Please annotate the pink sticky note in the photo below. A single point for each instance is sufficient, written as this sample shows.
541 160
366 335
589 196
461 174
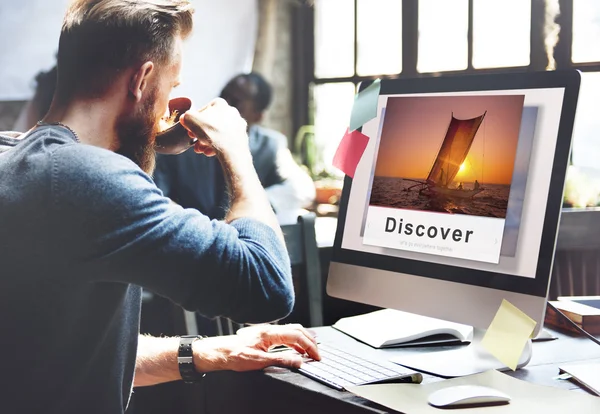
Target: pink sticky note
350 151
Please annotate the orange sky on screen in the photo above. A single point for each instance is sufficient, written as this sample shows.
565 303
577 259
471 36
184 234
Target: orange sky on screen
414 128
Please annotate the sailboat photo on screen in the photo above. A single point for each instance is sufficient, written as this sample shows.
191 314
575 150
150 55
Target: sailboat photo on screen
450 160
447 154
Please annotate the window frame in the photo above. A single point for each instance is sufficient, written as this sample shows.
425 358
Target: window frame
304 60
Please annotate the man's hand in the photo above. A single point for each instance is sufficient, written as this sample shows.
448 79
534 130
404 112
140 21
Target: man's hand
249 349
219 128
221 131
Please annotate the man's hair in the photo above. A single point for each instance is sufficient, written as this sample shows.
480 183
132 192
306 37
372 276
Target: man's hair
254 86
101 38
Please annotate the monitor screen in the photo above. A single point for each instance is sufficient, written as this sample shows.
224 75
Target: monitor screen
462 180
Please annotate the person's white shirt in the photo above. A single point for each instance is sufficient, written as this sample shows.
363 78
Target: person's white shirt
297 191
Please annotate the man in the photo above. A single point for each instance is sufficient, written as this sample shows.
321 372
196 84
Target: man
288 187
83 227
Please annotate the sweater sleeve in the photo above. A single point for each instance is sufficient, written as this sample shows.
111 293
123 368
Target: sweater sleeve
120 228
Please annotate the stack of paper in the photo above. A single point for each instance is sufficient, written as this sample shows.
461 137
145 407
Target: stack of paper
582 312
587 375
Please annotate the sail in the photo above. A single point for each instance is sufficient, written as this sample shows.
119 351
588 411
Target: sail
454 150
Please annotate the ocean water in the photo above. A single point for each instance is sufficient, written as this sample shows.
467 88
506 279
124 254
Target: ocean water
392 192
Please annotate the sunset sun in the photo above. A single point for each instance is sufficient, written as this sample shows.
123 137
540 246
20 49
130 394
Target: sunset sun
462 167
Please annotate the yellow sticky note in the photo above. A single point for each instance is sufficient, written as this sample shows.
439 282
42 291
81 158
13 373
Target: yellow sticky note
508 333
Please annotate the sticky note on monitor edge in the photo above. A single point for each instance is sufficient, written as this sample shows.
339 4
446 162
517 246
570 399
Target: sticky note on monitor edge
365 105
350 151
508 333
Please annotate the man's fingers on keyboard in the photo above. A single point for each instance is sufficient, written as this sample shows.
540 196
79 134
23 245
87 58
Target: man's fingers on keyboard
298 349
300 342
284 359
310 335
309 347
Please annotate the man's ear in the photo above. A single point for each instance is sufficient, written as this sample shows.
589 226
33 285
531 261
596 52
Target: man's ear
139 80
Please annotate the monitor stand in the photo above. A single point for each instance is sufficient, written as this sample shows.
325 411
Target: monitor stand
459 362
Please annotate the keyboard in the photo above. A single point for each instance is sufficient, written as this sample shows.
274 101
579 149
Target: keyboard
340 369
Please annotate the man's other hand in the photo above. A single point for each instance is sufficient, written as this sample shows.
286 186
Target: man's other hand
249 349
219 128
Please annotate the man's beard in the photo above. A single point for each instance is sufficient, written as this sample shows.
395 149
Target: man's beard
137 133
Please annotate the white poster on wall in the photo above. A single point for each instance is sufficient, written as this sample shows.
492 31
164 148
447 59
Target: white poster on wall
221 46
29 30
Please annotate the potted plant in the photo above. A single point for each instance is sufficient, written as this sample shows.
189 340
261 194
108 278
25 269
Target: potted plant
328 181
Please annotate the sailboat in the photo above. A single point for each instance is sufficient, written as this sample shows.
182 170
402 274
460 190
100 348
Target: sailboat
453 152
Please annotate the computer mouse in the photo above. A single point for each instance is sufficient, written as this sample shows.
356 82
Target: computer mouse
465 395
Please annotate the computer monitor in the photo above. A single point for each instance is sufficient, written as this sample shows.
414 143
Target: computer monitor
456 201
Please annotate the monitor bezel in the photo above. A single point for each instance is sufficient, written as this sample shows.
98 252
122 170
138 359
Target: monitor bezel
569 80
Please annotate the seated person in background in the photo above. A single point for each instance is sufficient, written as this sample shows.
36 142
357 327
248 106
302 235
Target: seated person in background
84 228
198 182
36 108
476 185
460 186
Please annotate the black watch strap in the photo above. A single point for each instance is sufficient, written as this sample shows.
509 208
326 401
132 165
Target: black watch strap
185 359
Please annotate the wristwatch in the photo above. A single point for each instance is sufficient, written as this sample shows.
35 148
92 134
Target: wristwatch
185 359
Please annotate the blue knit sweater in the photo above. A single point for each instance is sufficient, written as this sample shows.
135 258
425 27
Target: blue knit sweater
81 230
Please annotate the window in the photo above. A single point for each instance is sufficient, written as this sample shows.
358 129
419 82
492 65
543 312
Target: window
379 40
586 31
333 103
334 42
586 132
501 33
354 40
357 40
585 56
448 52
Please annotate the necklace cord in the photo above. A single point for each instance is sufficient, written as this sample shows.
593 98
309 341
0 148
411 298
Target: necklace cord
42 123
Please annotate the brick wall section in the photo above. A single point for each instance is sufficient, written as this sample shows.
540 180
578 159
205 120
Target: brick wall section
273 59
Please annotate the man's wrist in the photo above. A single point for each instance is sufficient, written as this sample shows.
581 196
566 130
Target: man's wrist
185 359
209 355
236 161
239 171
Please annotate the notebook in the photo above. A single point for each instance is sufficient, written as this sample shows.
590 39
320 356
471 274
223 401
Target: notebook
583 314
392 328
586 374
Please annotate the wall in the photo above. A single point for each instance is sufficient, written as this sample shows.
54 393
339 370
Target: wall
221 46
273 59
32 28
